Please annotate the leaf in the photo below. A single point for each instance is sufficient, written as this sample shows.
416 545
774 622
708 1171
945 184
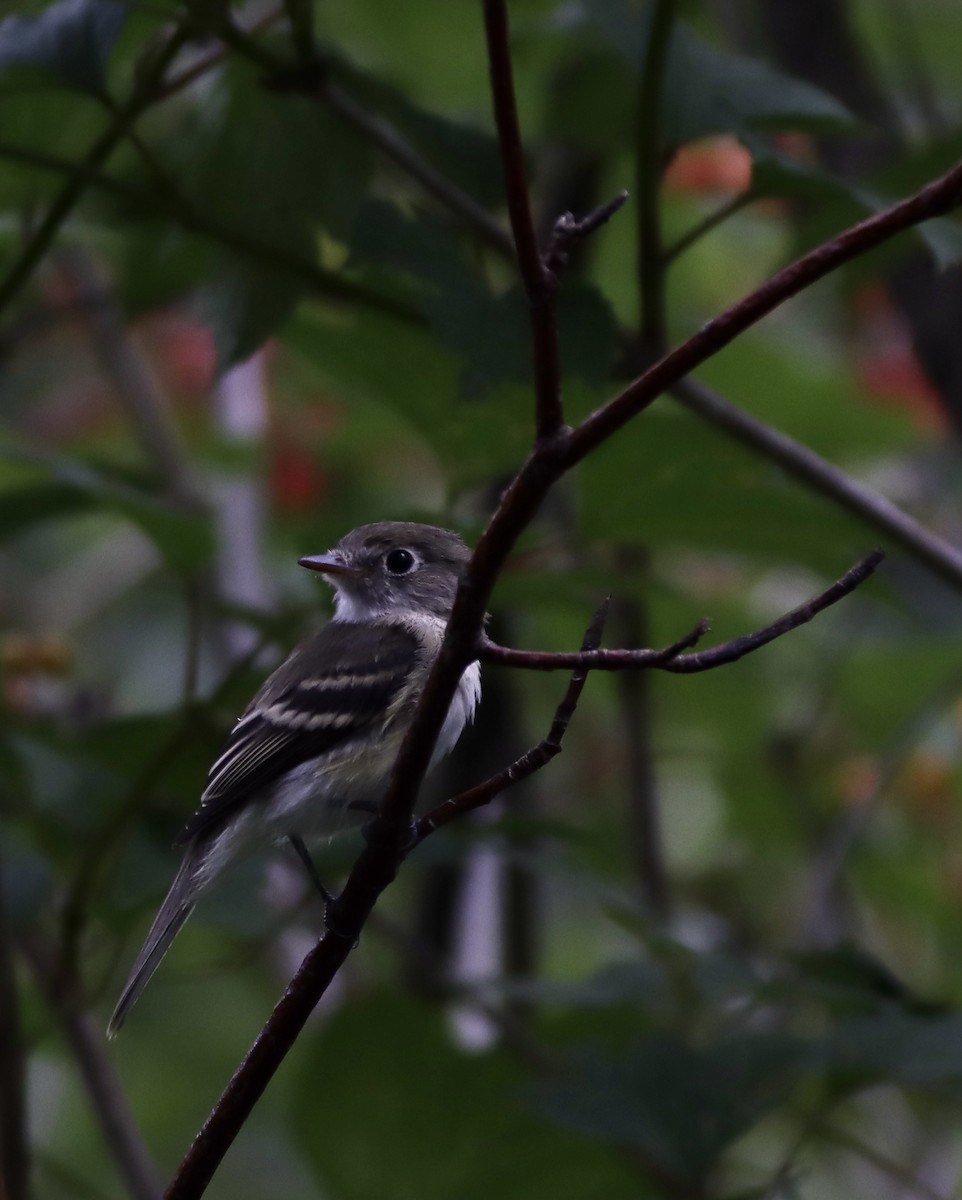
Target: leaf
712 91
70 40
681 1105
775 173
466 154
434 1115
901 1047
58 487
708 90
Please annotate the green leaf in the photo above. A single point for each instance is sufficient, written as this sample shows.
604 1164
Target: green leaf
708 90
70 40
901 1047
680 1104
53 487
434 1115
775 173
712 91
466 154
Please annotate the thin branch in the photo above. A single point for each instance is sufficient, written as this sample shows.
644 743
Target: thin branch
597 660
388 140
14 1152
42 238
671 658
798 460
172 203
310 79
103 1087
651 275
936 199
569 229
539 287
529 762
715 218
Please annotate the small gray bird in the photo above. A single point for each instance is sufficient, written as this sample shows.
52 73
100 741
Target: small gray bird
314 748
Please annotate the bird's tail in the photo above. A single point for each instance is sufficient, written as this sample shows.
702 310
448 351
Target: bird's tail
177 906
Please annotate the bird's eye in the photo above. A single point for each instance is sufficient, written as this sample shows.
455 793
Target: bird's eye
400 562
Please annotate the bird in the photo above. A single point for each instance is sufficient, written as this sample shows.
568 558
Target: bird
313 750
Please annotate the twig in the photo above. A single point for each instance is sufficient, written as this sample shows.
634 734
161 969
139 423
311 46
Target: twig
14 1154
597 660
651 276
715 218
539 287
106 1094
529 762
798 460
936 199
569 229
671 658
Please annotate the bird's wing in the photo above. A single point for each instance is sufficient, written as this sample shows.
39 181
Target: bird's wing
334 688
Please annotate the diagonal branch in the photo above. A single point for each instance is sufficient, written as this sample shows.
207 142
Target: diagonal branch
936 199
822 476
532 760
671 657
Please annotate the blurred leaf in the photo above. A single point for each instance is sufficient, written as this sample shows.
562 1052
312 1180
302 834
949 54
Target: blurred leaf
775 173
70 40
733 93
901 1047
736 93
682 1105
466 154
433 1117
56 486
681 483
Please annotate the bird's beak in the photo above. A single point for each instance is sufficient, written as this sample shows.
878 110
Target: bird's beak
327 564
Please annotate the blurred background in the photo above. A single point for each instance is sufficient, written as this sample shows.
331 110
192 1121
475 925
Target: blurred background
256 290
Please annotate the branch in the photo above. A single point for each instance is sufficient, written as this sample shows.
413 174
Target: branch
934 200
14 1152
539 286
857 498
389 141
671 658
569 229
596 660
651 275
106 1094
529 762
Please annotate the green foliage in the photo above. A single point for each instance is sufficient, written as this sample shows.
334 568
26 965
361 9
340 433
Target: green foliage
318 209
